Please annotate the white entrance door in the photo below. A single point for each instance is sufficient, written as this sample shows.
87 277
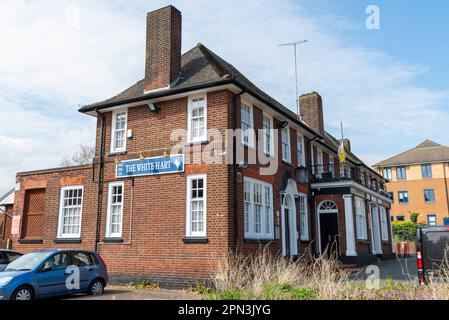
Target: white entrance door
289 232
377 244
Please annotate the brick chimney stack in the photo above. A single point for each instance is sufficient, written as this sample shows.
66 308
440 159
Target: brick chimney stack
311 111
163 48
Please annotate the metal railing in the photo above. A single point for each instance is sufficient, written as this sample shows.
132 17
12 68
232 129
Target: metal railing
337 172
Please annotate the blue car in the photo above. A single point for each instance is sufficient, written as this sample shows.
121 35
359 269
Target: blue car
44 274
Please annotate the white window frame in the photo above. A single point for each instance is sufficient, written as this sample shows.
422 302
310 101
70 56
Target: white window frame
271 135
300 153
113 130
189 232
433 216
250 130
304 232
250 233
319 161
189 119
331 165
388 173
109 234
384 223
288 155
360 211
61 235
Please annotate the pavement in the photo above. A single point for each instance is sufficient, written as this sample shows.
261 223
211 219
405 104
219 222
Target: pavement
398 269
121 293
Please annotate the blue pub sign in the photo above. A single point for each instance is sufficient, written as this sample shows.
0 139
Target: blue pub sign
150 166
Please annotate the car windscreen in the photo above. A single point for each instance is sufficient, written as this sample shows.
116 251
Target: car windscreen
435 245
28 262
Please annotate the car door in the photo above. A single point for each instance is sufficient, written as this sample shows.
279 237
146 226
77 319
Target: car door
51 277
86 266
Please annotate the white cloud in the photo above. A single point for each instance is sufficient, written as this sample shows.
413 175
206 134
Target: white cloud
50 63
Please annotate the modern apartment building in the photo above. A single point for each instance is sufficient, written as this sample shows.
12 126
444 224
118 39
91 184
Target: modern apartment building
418 181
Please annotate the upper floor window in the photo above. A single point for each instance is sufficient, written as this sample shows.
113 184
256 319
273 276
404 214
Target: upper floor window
118 132
429 195
268 138
426 170
286 147
401 173
70 210
391 194
300 150
114 218
196 206
331 165
403 197
247 125
431 219
387 173
197 125
400 218
360 212
319 162
258 209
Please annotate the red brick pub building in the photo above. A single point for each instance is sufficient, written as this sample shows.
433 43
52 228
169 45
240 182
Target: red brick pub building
171 218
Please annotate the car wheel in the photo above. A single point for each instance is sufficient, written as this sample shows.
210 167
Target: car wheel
96 288
23 293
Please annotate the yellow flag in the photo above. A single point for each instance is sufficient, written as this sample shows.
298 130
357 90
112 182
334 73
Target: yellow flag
342 152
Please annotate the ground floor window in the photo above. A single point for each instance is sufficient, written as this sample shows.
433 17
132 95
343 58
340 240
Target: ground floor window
303 218
384 223
196 206
115 210
258 209
70 210
360 219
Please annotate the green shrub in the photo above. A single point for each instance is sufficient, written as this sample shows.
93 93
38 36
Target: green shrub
285 291
404 230
414 217
229 294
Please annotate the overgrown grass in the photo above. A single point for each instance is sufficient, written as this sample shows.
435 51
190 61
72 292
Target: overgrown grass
271 277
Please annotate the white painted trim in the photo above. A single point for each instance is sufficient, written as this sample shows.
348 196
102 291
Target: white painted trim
189 232
349 226
189 118
108 214
60 235
339 184
293 227
156 90
113 123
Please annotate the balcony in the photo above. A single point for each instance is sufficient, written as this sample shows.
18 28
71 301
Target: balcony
330 173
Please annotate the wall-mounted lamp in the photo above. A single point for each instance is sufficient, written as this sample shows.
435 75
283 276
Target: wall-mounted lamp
153 107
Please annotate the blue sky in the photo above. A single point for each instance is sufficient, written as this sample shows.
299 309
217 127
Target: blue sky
388 86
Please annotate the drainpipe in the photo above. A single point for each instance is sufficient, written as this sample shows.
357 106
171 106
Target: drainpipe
235 166
100 181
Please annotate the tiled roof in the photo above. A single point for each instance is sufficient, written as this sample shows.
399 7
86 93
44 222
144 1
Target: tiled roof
428 151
